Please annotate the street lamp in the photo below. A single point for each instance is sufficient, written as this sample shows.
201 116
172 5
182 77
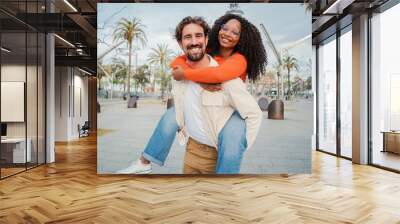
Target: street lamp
234 9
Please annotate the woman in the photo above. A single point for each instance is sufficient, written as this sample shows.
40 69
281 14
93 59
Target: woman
236 45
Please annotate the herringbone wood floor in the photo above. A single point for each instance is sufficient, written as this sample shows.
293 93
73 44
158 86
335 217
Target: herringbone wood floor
70 191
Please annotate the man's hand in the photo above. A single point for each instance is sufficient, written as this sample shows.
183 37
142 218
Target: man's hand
177 73
211 87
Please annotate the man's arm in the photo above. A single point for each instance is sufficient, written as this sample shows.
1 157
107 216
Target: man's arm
247 107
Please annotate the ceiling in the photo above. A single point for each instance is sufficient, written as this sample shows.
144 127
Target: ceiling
326 14
331 15
74 21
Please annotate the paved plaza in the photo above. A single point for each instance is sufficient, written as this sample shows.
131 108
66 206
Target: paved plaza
282 146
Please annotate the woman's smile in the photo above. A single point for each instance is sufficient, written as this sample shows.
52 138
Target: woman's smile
225 39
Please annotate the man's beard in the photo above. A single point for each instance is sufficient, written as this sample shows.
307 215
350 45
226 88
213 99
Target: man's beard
194 57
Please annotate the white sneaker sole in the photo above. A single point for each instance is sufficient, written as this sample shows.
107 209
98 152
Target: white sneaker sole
139 172
143 172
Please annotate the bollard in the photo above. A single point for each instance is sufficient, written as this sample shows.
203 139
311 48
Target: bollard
276 110
263 103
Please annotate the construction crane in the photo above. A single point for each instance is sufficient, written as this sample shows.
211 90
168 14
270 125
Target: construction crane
271 43
277 55
109 50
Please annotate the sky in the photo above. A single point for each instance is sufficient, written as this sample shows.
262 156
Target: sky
286 24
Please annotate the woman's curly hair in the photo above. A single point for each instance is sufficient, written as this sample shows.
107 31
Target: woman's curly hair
250 44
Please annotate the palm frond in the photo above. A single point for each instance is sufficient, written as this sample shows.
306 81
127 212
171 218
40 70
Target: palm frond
130 30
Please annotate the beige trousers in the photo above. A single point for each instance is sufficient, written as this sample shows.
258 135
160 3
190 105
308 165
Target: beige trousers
199 158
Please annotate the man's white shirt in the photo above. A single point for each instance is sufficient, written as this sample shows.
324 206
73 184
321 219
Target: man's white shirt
194 120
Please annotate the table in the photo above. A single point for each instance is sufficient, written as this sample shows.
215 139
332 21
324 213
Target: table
17 150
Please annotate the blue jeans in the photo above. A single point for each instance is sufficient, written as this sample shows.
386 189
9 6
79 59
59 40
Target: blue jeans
232 142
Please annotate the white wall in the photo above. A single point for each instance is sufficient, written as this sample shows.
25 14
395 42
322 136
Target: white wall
62 80
13 73
80 89
16 73
12 101
33 126
69 85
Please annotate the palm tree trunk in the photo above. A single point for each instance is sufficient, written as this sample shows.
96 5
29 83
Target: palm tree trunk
288 78
129 72
278 86
154 84
282 87
163 84
112 86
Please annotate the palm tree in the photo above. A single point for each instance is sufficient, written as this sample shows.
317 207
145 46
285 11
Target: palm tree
277 68
130 30
142 76
120 71
165 83
298 85
100 76
289 62
161 56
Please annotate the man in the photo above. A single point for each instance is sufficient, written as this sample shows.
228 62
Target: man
201 114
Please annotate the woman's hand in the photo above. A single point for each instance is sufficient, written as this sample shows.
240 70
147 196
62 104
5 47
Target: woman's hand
211 87
177 73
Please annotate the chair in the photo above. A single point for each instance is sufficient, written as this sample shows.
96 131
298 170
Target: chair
84 130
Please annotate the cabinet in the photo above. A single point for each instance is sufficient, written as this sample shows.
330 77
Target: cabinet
391 141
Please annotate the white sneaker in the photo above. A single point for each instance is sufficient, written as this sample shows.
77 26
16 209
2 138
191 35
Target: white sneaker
136 167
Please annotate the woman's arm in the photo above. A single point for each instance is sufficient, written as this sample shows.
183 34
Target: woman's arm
232 68
179 61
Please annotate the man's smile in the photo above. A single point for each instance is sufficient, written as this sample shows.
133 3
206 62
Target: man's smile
195 50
